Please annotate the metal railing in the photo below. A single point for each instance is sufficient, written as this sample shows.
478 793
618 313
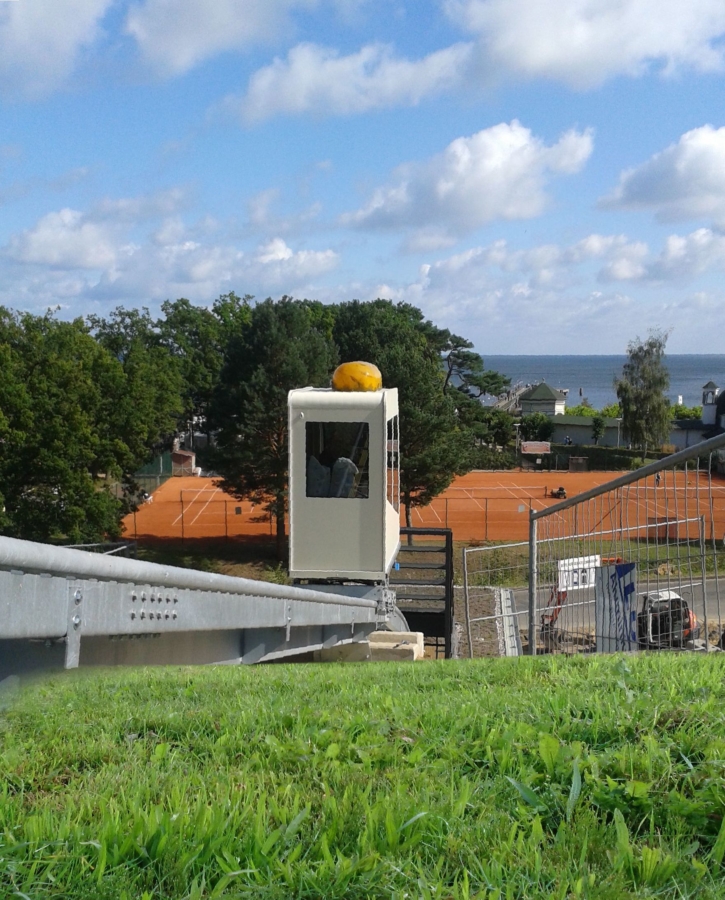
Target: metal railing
66 607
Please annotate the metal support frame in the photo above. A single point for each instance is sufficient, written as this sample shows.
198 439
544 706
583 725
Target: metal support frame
533 572
112 611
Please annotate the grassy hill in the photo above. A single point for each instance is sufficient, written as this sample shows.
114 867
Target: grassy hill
563 778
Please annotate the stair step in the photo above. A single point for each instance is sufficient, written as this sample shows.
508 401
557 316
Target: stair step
428 582
420 565
420 548
413 598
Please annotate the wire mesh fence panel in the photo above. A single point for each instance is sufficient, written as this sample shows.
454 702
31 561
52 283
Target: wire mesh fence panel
495 593
636 564
478 517
192 514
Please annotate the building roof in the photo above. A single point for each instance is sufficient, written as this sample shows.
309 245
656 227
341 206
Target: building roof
710 386
583 420
688 424
542 392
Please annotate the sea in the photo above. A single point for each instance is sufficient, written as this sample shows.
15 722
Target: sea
593 376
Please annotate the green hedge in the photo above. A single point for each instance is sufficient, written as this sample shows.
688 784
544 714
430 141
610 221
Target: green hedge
600 458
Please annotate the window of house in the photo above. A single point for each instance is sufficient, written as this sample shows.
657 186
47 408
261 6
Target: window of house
338 459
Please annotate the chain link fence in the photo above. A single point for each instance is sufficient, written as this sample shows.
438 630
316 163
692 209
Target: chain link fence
636 563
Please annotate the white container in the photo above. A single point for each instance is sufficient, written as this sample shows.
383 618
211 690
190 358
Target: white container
344 484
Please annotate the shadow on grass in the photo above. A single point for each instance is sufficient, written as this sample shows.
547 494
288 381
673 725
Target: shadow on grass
248 556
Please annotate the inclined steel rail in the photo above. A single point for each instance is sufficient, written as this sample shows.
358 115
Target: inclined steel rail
64 607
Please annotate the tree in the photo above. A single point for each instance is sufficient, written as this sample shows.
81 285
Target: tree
495 427
466 381
59 395
641 392
613 411
196 337
536 427
435 445
279 349
148 413
686 412
192 336
582 410
465 369
598 428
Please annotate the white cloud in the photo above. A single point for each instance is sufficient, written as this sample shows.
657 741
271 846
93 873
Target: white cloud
685 181
277 264
688 256
175 35
585 42
604 258
65 240
41 42
518 315
319 80
121 250
498 173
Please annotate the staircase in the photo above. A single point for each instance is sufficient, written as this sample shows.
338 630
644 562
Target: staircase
422 578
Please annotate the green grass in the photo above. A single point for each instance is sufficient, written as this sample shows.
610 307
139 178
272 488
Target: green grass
255 559
496 779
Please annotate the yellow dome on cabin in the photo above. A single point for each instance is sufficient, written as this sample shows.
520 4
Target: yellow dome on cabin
357 376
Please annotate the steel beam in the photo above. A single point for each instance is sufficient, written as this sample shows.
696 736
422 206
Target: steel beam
114 611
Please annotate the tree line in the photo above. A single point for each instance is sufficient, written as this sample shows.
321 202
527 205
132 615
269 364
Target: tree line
84 404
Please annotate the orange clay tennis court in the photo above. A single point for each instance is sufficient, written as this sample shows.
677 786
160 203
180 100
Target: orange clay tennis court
480 506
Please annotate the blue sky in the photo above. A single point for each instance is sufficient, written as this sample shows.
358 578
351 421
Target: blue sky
538 177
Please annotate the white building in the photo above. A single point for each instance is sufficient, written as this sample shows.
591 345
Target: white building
540 398
686 432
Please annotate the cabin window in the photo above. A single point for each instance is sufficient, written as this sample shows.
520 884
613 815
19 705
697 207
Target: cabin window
338 460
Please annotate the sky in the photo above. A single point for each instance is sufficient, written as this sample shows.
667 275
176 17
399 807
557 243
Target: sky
537 177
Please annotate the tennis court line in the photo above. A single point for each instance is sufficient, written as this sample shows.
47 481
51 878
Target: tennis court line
217 491
471 497
528 495
186 509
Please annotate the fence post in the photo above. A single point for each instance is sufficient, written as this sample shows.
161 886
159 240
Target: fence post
446 512
532 584
704 579
485 533
226 522
465 596
181 498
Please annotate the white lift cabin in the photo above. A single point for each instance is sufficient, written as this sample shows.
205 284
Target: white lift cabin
344 485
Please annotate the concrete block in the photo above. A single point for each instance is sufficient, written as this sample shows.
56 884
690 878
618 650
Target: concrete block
414 638
358 651
380 652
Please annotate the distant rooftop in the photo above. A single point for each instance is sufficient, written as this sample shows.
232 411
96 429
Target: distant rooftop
542 392
710 386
